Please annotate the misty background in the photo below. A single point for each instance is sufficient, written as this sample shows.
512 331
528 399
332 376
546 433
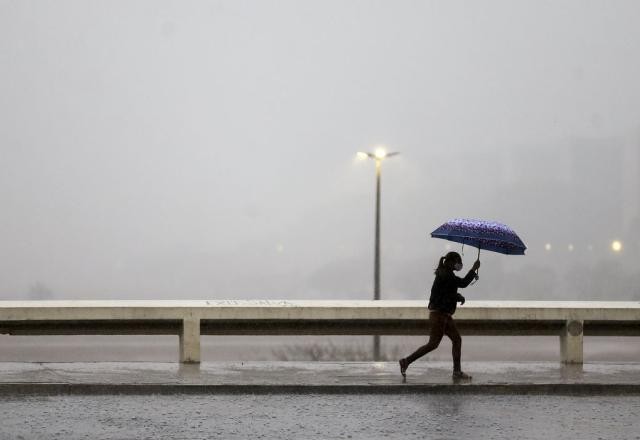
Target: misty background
207 149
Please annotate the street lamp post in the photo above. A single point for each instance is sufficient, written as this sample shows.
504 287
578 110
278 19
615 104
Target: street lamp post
379 155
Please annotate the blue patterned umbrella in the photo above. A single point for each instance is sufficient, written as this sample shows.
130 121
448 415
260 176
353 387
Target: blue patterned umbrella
485 235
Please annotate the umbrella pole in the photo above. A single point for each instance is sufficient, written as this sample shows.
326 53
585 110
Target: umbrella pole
478 270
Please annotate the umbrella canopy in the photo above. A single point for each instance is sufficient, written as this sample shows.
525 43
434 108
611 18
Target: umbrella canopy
485 235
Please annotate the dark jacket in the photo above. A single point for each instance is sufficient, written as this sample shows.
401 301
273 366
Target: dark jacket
444 292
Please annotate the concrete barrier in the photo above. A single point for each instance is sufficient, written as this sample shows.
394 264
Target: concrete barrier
571 321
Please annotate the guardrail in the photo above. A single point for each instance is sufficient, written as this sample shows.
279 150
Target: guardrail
571 321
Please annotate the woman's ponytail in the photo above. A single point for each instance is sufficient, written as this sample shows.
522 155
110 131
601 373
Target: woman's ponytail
440 265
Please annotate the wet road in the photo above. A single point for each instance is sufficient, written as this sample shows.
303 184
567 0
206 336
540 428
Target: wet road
409 416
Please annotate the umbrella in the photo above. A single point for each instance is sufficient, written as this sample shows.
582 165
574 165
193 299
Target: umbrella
486 235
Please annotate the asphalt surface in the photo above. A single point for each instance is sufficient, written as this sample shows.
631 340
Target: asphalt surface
411 416
333 400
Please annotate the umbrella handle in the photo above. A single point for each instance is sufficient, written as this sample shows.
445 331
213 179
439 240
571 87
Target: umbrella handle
477 270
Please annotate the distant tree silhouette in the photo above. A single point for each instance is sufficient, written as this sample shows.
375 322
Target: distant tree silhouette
330 352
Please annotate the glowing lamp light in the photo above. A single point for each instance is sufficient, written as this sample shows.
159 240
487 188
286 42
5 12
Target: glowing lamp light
380 153
616 246
547 247
362 156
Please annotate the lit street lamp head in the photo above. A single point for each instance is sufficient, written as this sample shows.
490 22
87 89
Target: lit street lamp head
378 154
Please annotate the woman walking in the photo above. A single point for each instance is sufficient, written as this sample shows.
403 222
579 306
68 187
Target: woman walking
442 306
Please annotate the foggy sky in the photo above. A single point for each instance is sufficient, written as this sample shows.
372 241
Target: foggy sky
187 149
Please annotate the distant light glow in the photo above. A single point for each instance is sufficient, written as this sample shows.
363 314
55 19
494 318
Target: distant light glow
616 246
362 156
570 247
279 248
547 247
